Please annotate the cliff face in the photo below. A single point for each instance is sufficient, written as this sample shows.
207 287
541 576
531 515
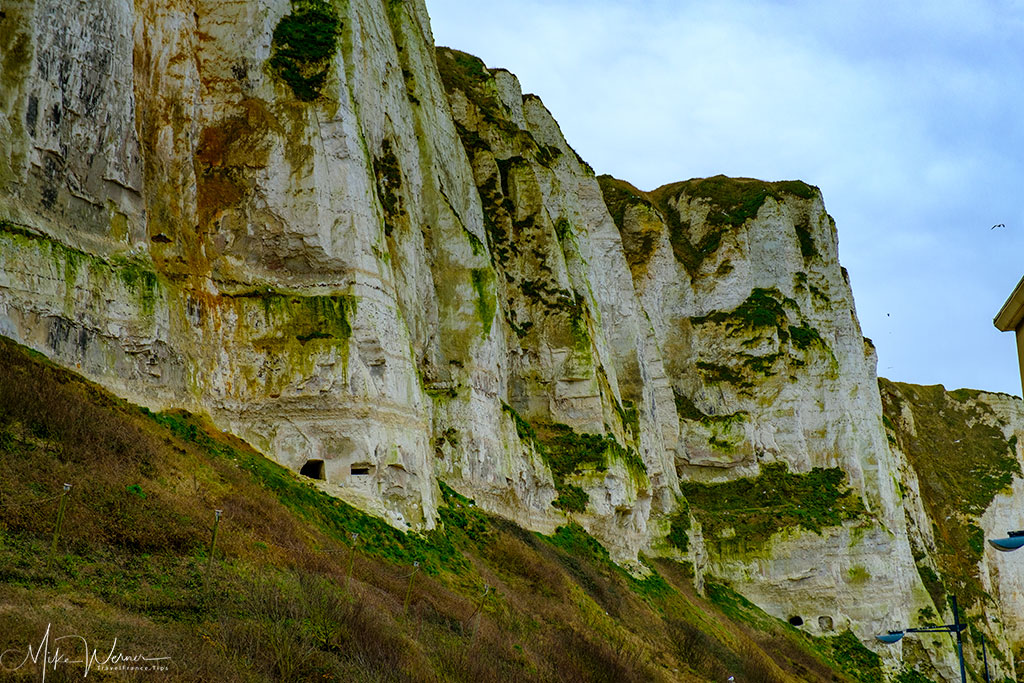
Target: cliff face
960 475
349 248
775 389
223 241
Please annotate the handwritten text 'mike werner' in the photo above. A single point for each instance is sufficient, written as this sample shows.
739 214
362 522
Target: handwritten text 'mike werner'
111 661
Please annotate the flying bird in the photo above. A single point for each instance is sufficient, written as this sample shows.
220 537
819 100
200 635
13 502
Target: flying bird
998 225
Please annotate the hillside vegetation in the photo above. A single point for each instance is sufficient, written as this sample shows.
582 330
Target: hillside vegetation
292 593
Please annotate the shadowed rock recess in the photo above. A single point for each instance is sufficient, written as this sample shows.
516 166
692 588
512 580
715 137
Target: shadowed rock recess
382 265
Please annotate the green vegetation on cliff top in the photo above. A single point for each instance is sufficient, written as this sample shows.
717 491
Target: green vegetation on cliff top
620 195
289 597
638 241
469 75
731 201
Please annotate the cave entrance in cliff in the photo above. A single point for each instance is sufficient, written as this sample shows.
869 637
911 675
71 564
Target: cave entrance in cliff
796 621
314 469
360 470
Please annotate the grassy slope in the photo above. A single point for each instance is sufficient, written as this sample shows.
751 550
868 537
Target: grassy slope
279 603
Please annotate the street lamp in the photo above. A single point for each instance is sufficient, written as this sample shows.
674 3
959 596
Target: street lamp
1006 545
956 627
984 654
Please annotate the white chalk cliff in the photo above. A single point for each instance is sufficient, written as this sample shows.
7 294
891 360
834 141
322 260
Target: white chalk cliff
347 246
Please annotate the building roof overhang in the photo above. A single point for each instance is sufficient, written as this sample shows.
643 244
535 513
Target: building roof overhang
1010 315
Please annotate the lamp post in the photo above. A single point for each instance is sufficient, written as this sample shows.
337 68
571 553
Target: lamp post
956 627
984 654
1007 545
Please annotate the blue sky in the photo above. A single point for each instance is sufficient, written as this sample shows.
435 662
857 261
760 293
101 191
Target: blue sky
908 116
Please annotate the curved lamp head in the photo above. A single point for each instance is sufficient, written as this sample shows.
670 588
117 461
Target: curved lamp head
1016 540
890 637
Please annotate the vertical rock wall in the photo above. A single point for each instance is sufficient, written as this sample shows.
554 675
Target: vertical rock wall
741 281
961 480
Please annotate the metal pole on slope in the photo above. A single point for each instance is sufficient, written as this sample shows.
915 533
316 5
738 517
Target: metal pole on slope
351 561
959 640
408 591
213 544
984 654
58 522
479 606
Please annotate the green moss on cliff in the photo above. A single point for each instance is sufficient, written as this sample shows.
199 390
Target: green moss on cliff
388 174
686 409
763 308
474 242
469 75
486 302
797 188
303 44
819 295
630 418
563 229
310 317
571 498
716 373
734 201
691 255
756 508
498 212
547 155
524 429
134 273
806 240
464 72
619 196
804 336
678 534
765 317
568 454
